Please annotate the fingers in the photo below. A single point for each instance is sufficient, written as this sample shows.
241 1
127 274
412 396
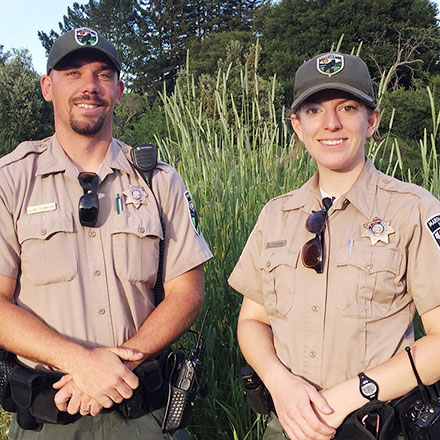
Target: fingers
62 398
95 408
320 402
127 354
305 425
72 400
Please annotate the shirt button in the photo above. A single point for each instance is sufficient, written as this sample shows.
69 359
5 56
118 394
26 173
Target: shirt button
268 264
141 230
92 234
315 308
312 354
101 311
369 265
97 273
43 231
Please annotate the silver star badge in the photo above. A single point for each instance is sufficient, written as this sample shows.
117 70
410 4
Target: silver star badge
377 230
135 195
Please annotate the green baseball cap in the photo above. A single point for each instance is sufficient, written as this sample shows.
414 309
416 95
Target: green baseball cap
81 39
335 71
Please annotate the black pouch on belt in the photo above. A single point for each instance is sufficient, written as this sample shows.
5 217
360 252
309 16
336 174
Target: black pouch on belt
149 395
374 421
7 363
33 394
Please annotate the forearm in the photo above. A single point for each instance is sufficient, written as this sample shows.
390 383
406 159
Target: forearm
24 334
256 343
395 377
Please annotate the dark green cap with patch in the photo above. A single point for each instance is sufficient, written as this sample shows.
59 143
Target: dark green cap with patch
81 39
333 71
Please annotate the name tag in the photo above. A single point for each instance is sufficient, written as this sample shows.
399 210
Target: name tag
276 244
42 208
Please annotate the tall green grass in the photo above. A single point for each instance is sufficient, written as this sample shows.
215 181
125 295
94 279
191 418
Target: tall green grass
233 163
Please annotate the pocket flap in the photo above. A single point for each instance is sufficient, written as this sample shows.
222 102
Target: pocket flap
370 259
142 225
272 258
42 226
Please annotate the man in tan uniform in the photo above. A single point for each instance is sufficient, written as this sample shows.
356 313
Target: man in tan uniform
79 250
310 329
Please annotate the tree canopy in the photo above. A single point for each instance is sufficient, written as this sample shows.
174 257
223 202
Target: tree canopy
153 36
391 31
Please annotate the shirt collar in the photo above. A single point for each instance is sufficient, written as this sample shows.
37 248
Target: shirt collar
361 194
307 197
56 160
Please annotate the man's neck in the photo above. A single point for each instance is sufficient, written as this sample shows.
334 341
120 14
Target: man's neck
86 152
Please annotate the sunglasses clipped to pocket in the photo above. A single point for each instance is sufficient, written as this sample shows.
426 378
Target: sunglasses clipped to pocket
312 251
88 206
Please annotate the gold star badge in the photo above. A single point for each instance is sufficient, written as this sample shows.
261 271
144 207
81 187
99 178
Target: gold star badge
377 230
135 195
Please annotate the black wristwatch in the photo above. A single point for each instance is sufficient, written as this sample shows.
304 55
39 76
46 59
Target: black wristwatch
368 387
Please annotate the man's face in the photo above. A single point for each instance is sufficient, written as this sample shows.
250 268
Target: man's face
84 89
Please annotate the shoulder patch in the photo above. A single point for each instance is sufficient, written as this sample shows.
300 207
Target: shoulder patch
433 224
192 213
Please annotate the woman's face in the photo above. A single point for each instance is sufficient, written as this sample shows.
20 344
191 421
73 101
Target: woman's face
333 125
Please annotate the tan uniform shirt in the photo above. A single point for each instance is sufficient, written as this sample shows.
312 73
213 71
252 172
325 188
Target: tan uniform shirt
357 314
92 285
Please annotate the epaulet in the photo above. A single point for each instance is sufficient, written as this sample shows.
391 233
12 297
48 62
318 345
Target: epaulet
284 196
392 184
23 150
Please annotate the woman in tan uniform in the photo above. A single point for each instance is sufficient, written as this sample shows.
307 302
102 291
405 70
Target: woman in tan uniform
333 272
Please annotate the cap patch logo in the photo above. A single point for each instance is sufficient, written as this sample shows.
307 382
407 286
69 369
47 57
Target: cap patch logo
330 63
433 224
86 37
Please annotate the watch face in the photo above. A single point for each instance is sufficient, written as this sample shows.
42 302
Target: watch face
369 389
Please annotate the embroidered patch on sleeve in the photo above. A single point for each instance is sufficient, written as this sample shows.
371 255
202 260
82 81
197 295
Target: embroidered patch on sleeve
192 213
433 224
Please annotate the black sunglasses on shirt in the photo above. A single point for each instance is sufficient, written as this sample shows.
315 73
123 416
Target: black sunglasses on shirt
88 206
312 251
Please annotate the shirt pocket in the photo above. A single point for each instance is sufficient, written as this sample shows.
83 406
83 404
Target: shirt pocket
278 267
367 280
135 244
48 249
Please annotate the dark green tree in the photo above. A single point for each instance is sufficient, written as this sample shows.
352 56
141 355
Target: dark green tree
153 36
24 114
400 33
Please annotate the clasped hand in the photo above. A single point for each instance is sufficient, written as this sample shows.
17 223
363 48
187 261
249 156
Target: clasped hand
303 411
97 380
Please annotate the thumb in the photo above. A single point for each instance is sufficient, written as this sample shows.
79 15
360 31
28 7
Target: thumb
127 354
321 403
58 385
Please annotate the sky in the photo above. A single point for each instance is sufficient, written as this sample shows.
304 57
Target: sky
20 20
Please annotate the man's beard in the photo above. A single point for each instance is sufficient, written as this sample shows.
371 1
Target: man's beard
87 128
